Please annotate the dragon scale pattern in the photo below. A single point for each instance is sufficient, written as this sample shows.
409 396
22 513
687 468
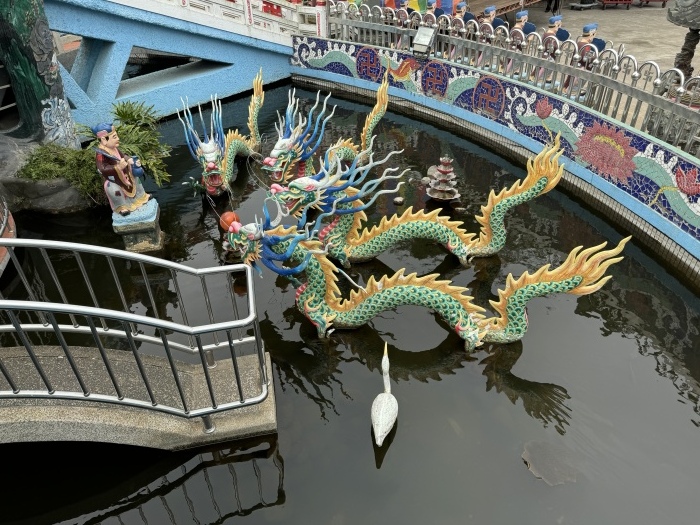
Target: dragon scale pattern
515 329
236 146
582 273
410 225
321 301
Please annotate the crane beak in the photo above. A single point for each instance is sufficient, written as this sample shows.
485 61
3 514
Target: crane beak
386 350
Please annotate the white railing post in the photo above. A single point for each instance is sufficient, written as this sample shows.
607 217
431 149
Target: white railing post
321 19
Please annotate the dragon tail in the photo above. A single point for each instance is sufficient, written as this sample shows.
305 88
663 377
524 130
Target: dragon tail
582 273
377 112
543 174
256 102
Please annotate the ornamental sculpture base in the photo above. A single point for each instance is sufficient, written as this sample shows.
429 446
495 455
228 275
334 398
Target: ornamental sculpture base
140 229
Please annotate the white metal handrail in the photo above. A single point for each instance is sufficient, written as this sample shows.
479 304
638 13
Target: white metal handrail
43 302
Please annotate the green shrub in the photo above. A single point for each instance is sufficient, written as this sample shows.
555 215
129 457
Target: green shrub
138 135
51 161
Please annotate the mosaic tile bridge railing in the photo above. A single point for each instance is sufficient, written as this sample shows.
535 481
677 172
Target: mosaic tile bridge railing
661 178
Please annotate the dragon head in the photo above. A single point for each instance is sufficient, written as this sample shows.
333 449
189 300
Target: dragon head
299 137
301 194
244 240
210 156
283 158
208 149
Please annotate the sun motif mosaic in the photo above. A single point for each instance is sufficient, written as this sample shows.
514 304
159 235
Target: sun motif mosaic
650 172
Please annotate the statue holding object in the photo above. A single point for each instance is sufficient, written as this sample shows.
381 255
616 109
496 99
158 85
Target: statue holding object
134 212
120 172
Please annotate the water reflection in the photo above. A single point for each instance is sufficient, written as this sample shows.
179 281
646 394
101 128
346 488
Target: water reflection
543 401
206 486
312 367
254 473
308 366
664 328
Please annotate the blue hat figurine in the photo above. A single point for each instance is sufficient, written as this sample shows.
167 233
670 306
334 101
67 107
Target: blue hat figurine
520 15
490 9
461 5
102 129
589 29
431 3
554 19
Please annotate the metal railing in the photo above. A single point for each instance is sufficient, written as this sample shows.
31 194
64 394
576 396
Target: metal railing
663 104
271 20
123 316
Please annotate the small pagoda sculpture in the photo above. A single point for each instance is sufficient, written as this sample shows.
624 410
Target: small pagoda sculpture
441 183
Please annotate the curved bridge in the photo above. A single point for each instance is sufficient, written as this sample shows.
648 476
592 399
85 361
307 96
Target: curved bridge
117 347
227 44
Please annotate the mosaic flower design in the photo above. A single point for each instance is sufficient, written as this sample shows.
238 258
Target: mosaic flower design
688 181
608 151
543 108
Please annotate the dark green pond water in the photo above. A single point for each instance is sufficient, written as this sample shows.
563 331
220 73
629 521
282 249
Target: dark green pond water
601 395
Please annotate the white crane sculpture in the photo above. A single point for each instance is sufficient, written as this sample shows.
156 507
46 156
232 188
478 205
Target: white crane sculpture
385 408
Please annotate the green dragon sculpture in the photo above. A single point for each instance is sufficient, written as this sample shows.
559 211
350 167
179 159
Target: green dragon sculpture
217 151
320 300
292 155
350 243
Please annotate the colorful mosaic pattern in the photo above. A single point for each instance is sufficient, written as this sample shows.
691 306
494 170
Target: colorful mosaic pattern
650 172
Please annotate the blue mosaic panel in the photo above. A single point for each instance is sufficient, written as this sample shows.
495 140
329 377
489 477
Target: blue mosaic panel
646 170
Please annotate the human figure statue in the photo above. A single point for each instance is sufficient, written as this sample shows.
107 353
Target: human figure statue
434 9
490 17
462 12
686 13
403 4
588 36
522 23
120 172
554 29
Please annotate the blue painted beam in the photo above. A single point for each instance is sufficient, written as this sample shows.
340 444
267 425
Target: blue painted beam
229 61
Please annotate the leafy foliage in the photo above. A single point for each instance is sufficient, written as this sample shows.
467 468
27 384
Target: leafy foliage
136 124
52 161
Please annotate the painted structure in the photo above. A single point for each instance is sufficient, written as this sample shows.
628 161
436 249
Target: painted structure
656 183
